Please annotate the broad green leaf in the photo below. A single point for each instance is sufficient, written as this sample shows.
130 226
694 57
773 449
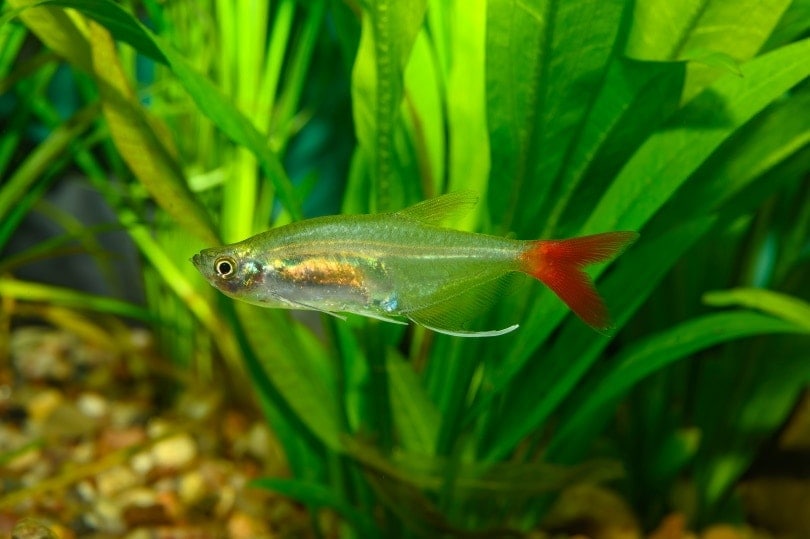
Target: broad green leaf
742 161
794 24
388 33
62 31
594 402
140 144
544 62
663 30
787 308
668 158
611 133
318 496
208 97
714 59
12 37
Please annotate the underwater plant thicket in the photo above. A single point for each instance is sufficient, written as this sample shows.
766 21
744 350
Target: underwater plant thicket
203 122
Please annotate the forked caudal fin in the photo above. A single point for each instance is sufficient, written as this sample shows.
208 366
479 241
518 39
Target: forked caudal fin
559 264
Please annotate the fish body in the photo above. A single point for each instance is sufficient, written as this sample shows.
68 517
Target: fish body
389 266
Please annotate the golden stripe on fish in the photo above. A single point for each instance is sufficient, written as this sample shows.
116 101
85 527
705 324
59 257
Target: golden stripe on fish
324 271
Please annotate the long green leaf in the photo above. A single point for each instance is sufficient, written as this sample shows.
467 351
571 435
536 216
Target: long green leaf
794 24
544 61
388 34
612 132
651 355
297 370
702 30
140 143
29 291
415 415
759 146
465 79
43 156
63 37
787 308
57 29
668 158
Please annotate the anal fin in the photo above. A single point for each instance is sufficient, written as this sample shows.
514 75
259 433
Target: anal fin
378 316
451 315
464 333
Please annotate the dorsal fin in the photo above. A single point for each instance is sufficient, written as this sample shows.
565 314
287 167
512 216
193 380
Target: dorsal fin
436 211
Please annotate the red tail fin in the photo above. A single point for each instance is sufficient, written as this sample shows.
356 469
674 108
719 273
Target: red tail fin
558 265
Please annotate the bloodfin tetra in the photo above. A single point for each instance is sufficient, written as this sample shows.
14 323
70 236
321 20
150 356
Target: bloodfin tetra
405 265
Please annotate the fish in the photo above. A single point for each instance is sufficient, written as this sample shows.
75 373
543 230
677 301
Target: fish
406 265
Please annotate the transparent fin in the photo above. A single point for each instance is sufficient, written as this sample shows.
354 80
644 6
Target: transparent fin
307 307
462 333
380 317
436 211
452 314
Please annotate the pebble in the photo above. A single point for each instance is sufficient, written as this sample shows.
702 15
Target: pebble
116 480
42 354
140 533
175 452
192 488
124 413
145 515
92 405
67 421
29 528
244 526
83 452
259 442
158 427
174 485
141 339
106 516
225 501
43 403
24 460
113 439
142 462
86 491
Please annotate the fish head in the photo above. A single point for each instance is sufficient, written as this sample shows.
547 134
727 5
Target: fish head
233 270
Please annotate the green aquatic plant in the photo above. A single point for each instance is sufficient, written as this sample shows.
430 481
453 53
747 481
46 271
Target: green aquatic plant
570 118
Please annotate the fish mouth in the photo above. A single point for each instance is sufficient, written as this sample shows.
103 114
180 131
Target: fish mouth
196 260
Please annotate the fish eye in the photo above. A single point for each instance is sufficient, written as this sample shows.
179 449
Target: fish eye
225 267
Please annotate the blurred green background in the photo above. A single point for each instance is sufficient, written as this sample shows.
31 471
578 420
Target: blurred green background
153 129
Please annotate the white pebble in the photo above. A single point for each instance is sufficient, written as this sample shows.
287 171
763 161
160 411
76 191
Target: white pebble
175 452
92 405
